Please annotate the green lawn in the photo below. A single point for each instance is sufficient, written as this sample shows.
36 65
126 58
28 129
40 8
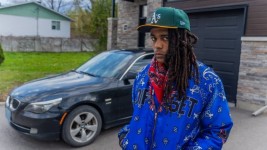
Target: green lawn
20 67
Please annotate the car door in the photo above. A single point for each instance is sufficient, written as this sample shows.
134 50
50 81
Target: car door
123 104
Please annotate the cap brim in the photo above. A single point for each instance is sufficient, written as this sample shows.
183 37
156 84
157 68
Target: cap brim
148 27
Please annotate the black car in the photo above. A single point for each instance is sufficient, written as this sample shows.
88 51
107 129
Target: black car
76 105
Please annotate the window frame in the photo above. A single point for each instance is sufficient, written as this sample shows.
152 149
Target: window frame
134 62
55 25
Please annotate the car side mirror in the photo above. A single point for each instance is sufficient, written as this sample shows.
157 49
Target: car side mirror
130 75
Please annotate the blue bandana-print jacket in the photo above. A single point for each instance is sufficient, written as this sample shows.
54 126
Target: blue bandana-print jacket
200 122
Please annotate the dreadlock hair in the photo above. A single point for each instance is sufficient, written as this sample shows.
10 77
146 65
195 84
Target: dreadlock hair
180 62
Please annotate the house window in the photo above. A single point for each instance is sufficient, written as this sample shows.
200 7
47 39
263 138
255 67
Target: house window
55 25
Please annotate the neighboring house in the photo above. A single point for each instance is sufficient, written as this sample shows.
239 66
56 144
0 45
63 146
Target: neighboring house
232 40
33 19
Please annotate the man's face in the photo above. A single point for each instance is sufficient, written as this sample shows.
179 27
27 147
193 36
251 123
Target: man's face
160 43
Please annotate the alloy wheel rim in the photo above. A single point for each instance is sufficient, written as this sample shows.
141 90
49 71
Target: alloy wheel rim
83 127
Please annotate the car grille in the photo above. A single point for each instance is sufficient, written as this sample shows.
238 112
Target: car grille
14 104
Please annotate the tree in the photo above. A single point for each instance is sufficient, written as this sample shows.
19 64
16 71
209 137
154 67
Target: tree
61 6
100 11
64 6
80 14
90 20
2 57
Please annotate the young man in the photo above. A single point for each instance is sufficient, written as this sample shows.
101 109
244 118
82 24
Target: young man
179 103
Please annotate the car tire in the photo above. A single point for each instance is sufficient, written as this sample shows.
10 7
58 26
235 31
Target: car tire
81 126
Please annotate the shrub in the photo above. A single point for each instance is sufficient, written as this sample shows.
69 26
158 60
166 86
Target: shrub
2 57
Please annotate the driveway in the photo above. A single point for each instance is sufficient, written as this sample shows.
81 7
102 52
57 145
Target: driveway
248 133
12 140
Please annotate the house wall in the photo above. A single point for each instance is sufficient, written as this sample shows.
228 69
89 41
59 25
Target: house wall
252 83
45 29
32 10
128 13
27 26
128 21
112 33
256 15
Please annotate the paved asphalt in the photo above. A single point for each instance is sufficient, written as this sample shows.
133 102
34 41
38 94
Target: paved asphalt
248 133
12 140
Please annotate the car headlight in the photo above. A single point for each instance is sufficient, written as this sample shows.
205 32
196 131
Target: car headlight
41 107
7 101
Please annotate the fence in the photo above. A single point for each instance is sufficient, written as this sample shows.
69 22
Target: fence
45 44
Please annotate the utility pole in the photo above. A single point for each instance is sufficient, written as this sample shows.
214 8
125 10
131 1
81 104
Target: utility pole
37 21
113 8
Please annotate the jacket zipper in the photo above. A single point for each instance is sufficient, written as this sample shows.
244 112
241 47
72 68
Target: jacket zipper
153 131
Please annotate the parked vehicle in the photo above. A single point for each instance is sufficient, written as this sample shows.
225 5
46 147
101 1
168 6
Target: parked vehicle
76 105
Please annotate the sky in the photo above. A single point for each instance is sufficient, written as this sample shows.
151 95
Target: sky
4 2
8 2
63 10
11 2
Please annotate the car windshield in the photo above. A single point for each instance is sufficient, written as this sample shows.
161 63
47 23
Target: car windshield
106 64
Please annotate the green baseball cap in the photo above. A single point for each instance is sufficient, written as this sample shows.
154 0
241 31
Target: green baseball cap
166 17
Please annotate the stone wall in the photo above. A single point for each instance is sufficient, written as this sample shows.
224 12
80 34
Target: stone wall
112 33
252 82
128 20
41 44
128 15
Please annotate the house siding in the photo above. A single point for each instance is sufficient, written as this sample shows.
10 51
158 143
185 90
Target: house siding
28 27
9 27
47 31
256 15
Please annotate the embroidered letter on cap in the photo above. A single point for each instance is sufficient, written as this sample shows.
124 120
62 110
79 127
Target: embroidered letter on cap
155 18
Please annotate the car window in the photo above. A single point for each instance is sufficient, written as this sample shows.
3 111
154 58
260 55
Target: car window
141 63
106 64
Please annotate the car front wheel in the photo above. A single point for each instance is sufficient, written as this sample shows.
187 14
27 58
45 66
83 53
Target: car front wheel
81 126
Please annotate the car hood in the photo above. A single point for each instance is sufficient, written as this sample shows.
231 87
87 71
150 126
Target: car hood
58 86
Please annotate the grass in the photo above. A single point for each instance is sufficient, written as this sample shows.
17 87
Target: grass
20 67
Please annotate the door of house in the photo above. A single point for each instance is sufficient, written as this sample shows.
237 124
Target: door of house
219 44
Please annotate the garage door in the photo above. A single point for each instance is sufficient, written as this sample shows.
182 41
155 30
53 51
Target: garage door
219 44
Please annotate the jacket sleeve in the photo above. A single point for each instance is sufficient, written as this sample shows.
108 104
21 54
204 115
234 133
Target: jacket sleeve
124 131
215 121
